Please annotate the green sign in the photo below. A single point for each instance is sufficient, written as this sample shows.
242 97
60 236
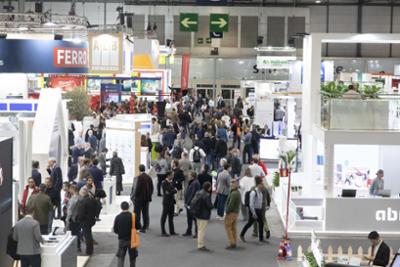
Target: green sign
219 22
208 40
200 41
189 22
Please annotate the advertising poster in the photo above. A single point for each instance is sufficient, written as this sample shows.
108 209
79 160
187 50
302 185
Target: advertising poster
150 86
105 53
66 82
111 93
6 158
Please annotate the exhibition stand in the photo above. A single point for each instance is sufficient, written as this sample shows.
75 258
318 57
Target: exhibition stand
59 250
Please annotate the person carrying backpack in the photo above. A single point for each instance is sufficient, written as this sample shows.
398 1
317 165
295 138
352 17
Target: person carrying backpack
201 207
254 200
196 156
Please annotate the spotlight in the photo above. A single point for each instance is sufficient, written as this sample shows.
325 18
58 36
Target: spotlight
58 37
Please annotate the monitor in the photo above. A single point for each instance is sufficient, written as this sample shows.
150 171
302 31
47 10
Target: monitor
396 261
349 193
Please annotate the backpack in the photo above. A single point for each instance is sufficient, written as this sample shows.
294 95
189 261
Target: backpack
177 152
247 198
195 204
196 155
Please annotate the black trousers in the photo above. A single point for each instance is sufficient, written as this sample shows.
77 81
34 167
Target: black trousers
160 178
142 209
252 220
167 211
123 246
31 260
76 231
44 229
119 184
190 220
87 234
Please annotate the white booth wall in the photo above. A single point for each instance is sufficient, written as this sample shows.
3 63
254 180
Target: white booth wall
15 84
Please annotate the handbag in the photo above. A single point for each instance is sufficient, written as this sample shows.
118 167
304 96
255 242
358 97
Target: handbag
135 239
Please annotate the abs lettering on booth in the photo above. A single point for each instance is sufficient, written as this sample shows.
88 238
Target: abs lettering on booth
70 57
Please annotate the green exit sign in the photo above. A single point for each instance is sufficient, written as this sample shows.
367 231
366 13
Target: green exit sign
219 22
189 22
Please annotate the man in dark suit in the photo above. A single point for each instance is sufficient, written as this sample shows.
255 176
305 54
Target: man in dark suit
117 169
87 208
380 252
168 202
97 174
56 174
141 196
36 175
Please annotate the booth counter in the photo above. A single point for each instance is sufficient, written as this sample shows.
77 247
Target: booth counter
59 251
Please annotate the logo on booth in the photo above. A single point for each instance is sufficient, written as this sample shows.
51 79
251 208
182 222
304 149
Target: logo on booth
389 215
67 57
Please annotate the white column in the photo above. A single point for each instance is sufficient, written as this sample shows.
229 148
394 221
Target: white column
329 181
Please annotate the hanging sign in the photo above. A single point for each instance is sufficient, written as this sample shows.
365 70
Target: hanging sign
105 53
272 62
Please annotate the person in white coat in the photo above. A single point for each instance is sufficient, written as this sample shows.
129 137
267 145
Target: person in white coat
246 183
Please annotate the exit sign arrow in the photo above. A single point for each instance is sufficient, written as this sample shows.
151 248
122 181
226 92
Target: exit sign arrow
188 22
219 22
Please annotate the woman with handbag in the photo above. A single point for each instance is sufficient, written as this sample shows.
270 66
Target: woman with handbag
125 226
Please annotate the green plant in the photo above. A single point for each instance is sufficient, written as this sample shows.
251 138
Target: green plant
333 90
78 103
309 257
370 91
288 158
277 179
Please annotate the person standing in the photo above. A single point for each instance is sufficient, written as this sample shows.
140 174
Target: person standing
380 252
232 212
255 211
93 141
169 190
248 147
221 150
201 206
378 184
223 188
178 180
86 216
246 183
141 196
41 206
28 237
30 190
204 176
56 174
97 174
265 206
117 169
55 198
193 188
123 227
186 166
236 164
196 156
72 215
36 175
161 169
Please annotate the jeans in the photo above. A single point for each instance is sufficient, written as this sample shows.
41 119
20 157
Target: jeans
87 234
201 226
123 246
190 220
221 204
167 211
251 221
31 260
76 231
142 208
230 227
44 229
160 178
209 159
50 225
247 150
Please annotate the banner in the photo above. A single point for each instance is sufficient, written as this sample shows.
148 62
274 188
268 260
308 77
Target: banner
105 53
42 56
66 82
274 62
185 72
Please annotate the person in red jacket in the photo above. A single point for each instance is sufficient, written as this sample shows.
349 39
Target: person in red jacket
30 190
261 164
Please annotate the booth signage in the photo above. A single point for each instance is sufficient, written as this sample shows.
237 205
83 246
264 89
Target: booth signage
105 53
271 62
219 22
189 22
42 56
216 35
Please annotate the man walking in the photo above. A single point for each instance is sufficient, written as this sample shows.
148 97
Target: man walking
41 207
178 179
97 174
223 187
72 215
193 188
141 196
56 175
123 227
201 207
117 169
86 215
55 198
28 237
168 202
232 211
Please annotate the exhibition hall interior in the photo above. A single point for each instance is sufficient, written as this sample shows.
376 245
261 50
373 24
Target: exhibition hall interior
198 133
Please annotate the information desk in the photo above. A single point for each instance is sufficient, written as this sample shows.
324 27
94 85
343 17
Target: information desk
61 253
362 214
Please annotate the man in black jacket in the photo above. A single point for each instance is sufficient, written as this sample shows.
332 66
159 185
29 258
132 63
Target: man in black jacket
87 209
117 169
221 150
141 196
56 174
168 202
178 179
202 212
123 228
36 175
97 174
380 252
55 199
193 188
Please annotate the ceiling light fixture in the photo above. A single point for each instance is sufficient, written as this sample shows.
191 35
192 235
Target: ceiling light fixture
318 1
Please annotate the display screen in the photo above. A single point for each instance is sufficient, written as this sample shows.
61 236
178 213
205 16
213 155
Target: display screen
149 86
6 157
396 261
93 85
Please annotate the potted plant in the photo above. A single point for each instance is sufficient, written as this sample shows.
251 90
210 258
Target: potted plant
310 259
333 90
277 179
370 91
78 103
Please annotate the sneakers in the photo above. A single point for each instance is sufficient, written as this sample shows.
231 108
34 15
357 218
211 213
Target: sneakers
172 234
187 234
230 247
142 231
204 249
